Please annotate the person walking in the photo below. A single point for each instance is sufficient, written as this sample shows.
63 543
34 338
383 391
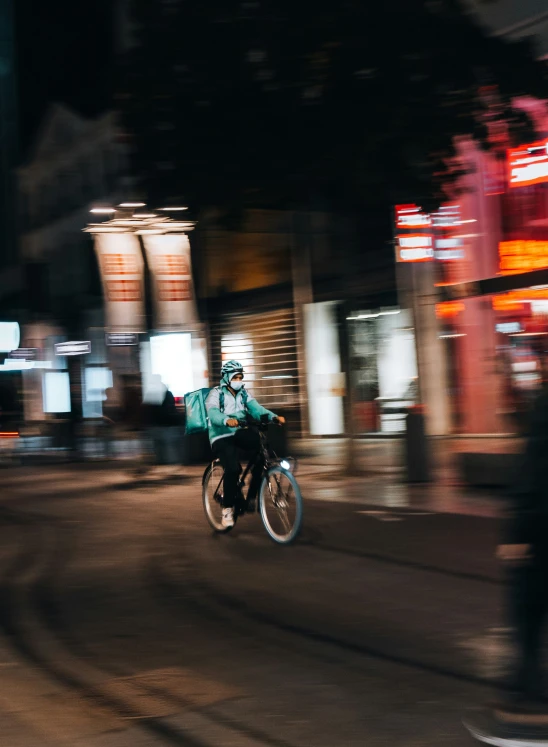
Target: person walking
524 553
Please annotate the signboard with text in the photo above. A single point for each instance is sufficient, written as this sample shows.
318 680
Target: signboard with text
121 339
414 241
168 257
24 354
422 237
122 272
522 256
73 347
411 216
528 165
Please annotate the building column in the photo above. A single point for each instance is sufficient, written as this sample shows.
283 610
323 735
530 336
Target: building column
418 293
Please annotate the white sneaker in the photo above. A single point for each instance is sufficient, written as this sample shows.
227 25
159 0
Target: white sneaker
228 518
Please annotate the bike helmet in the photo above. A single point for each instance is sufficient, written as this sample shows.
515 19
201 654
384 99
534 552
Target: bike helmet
229 370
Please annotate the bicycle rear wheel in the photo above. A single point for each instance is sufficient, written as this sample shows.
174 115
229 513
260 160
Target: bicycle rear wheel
212 496
281 505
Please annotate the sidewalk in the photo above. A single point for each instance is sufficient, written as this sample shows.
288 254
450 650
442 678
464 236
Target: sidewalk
378 481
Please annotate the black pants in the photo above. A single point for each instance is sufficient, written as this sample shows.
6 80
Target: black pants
528 598
227 451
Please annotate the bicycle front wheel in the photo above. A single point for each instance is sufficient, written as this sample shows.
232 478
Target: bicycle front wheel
281 505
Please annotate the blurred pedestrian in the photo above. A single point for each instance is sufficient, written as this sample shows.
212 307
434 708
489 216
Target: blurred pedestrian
525 554
111 417
165 425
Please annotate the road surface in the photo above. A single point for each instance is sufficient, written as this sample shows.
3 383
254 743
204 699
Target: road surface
124 621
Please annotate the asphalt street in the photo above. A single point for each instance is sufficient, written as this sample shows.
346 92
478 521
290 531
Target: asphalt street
124 621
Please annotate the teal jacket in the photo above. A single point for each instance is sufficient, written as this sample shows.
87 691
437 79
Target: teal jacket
234 407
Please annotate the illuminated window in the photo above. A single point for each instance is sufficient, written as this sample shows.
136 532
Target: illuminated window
56 392
96 380
171 359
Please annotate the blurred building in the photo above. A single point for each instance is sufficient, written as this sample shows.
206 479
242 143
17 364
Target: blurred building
527 19
475 275
276 293
74 164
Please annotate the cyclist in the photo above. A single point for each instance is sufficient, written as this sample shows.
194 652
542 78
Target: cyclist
226 405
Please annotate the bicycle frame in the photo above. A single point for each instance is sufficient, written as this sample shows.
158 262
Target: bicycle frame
263 457
267 456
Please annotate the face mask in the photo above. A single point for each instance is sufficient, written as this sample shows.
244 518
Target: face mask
236 385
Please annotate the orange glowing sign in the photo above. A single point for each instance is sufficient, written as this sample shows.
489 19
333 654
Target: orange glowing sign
514 300
449 309
528 164
522 256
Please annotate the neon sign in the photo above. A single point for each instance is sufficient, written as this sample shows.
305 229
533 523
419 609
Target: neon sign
411 216
522 256
449 309
514 300
528 165
415 248
414 240
422 237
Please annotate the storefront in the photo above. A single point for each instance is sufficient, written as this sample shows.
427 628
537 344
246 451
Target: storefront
481 278
383 368
266 344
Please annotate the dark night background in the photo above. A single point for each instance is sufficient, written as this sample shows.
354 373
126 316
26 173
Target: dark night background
65 52
404 348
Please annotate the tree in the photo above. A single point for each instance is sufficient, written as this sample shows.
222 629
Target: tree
339 103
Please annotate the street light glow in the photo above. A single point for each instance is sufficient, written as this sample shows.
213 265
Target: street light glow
102 210
132 204
172 209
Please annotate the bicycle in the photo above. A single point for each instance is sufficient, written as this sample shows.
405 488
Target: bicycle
280 503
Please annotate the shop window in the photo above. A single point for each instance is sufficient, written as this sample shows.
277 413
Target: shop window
97 380
56 392
384 369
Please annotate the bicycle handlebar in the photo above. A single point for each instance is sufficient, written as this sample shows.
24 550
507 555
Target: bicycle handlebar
264 422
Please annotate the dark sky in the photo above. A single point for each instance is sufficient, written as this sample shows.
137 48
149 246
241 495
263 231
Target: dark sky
64 52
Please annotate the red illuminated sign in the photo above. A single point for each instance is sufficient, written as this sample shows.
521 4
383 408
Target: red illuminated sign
174 290
449 309
411 216
123 290
514 300
422 237
120 264
172 264
413 234
528 164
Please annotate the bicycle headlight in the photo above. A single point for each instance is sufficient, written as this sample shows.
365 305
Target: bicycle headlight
285 464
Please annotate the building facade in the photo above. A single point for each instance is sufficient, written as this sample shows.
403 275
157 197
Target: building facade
277 293
75 164
480 290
